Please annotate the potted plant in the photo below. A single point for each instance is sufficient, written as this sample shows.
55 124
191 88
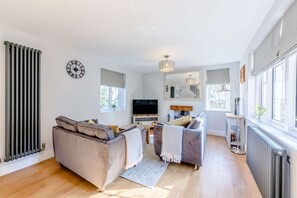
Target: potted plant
260 110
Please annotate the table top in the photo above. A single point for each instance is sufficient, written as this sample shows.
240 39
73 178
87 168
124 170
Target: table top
231 115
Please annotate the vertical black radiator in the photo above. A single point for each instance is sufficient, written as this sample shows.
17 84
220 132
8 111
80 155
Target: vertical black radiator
22 103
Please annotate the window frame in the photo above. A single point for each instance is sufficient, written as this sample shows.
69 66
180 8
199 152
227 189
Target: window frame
261 93
290 95
280 64
228 99
296 95
121 98
113 79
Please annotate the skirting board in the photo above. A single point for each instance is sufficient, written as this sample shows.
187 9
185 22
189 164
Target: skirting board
216 132
9 167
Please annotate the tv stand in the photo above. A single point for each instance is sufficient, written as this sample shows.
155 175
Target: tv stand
146 119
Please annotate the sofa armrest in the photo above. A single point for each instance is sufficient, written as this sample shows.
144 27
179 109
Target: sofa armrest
143 136
192 146
116 159
95 160
158 139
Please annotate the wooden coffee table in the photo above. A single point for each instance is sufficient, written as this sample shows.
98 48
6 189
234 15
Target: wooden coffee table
149 130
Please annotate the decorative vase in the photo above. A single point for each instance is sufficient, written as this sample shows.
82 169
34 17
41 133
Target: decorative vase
259 119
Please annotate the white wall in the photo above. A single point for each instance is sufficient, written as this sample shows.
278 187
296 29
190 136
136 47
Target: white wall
61 94
153 88
248 89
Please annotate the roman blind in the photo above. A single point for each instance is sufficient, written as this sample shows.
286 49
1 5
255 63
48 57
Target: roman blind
218 76
268 51
112 78
279 43
289 31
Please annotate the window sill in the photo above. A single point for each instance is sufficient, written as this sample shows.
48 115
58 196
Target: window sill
110 110
276 124
276 129
217 110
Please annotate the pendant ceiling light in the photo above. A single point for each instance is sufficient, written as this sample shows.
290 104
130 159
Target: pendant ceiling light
190 80
166 65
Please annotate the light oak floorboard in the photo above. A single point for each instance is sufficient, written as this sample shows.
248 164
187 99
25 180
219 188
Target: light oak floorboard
223 174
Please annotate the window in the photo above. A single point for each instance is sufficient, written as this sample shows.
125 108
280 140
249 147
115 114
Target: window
112 91
111 98
277 88
216 80
263 89
278 92
217 100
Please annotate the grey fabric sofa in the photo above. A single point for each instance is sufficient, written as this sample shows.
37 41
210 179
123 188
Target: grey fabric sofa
98 161
193 143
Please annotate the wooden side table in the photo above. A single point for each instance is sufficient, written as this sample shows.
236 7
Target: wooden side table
235 132
125 127
149 131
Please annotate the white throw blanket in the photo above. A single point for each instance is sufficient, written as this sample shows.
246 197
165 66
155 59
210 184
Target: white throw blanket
172 143
134 151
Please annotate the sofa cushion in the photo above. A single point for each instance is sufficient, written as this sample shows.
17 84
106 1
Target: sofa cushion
115 128
183 121
202 115
91 121
96 130
194 124
67 123
201 120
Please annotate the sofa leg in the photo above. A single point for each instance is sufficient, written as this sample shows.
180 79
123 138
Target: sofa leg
196 167
62 165
101 189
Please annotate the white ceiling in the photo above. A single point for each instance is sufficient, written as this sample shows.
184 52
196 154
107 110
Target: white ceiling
137 34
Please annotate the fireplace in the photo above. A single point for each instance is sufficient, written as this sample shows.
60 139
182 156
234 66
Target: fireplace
179 111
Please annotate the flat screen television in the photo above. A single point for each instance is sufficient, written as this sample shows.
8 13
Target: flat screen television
145 107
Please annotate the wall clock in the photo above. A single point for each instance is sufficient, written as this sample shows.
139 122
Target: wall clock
75 69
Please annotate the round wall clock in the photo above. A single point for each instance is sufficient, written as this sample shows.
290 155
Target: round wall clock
75 69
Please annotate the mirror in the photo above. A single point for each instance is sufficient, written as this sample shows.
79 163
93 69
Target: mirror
183 85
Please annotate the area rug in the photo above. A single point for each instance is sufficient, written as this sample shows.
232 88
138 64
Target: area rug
148 171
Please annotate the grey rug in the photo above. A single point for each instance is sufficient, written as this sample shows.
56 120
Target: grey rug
148 171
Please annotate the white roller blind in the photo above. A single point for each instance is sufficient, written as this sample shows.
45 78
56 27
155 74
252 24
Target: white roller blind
218 76
289 32
112 79
267 52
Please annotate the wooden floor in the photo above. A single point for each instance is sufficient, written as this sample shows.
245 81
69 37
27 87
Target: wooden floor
223 174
